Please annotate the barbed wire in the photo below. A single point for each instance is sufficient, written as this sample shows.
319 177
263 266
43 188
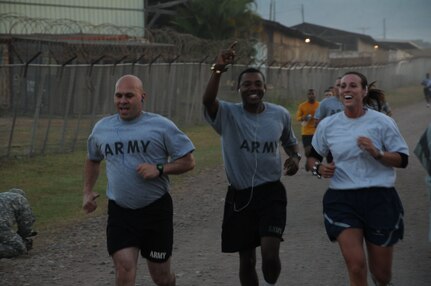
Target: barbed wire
70 41
15 24
86 42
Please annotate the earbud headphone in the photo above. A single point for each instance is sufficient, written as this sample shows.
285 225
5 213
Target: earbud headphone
235 208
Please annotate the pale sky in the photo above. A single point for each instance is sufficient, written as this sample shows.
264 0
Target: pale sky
405 19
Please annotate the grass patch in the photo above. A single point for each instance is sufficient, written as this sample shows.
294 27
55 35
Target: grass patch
53 183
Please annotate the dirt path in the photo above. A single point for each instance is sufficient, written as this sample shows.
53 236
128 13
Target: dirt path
79 257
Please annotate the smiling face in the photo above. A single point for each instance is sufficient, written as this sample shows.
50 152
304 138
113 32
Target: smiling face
352 93
128 97
252 90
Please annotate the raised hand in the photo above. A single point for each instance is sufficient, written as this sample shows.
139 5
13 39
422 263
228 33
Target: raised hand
227 56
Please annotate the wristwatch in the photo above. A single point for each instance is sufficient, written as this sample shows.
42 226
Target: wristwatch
160 169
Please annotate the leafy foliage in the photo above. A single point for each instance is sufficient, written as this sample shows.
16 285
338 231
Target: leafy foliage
217 20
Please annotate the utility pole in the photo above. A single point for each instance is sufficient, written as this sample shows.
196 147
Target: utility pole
272 10
302 13
384 28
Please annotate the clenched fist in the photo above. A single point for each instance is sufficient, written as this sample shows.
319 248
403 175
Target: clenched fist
291 166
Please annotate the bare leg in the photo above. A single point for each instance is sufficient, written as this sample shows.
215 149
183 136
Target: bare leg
351 245
247 268
380 263
125 262
271 265
161 273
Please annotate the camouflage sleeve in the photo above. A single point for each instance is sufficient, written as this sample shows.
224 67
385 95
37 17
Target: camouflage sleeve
25 218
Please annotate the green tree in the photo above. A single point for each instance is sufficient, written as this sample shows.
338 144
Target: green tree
217 19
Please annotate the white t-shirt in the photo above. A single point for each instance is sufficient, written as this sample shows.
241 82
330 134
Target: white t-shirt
354 167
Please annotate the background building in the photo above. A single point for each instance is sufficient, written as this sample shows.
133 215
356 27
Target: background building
95 13
285 45
353 49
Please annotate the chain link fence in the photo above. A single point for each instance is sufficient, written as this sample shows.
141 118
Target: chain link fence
57 78
52 108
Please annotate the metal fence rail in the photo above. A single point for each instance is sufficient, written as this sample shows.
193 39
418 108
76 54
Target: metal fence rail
52 108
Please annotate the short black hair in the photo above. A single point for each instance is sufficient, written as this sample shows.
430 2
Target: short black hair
249 70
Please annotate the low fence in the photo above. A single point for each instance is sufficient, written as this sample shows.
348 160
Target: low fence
52 108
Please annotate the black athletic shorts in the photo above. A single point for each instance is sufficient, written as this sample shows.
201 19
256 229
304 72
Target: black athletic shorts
150 229
377 211
250 214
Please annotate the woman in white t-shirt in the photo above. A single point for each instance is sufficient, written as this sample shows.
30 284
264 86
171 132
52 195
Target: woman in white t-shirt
361 203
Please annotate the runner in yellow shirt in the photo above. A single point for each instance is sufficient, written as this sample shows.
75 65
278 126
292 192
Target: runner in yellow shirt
305 115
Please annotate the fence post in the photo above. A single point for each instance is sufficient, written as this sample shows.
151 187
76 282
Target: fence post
36 117
171 87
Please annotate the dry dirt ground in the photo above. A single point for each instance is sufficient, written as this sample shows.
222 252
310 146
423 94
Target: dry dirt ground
78 255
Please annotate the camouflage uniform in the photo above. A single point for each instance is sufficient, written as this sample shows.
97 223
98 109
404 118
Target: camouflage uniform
15 210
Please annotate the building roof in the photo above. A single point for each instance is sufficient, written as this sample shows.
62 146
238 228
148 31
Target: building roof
398 45
296 33
348 39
